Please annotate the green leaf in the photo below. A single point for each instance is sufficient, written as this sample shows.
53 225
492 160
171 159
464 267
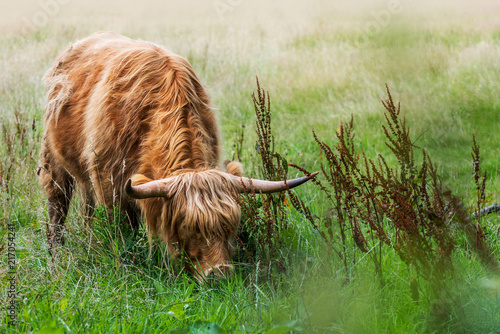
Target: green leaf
158 287
179 310
51 328
63 304
284 327
203 327
22 253
25 315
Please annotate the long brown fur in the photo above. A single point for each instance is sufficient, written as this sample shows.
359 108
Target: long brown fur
118 109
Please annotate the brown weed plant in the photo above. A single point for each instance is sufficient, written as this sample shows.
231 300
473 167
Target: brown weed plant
402 207
479 177
472 225
264 216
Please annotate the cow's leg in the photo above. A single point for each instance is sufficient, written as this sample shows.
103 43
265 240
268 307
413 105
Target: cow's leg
58 185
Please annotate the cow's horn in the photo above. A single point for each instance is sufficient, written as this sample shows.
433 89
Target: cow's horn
247 185
150 189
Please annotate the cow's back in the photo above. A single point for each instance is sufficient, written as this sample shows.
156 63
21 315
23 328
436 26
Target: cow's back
117 107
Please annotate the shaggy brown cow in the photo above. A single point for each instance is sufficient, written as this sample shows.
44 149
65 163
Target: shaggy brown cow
131 123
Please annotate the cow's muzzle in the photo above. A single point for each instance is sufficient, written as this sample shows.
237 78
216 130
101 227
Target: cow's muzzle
217 272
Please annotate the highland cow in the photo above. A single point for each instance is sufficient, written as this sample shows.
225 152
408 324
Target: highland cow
131 123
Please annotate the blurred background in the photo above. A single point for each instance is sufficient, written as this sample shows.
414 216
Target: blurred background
324 59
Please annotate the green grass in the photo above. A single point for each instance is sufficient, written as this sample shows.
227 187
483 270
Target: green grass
443 68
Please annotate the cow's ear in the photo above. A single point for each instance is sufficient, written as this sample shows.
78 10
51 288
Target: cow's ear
138 179
235 168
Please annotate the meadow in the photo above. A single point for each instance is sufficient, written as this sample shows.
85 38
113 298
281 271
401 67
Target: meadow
321 65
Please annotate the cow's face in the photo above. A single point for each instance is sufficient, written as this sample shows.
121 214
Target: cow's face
199 220
206 258
206 218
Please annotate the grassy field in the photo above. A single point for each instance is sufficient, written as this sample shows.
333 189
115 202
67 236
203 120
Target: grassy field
321 63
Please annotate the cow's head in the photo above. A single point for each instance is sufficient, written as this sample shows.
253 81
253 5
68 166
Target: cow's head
197 213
